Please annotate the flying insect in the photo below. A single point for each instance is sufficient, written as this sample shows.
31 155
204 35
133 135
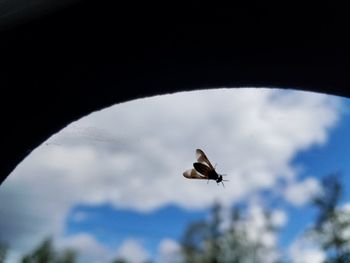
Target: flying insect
203 169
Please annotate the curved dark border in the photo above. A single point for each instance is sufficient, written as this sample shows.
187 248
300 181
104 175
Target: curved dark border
58 68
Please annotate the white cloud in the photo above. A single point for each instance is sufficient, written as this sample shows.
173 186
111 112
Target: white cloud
169 251
88 249
133 155
133 252
303 251
79 216
300 193
255 225
278 218
344 217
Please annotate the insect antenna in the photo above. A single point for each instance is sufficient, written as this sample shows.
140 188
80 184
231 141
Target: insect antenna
224 180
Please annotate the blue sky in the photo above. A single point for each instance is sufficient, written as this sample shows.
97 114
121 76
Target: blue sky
152 227
334 156
111 226
115 176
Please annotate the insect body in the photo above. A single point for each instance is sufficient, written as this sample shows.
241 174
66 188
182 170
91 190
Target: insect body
203 169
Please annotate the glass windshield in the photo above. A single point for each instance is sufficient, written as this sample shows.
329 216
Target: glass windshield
120 184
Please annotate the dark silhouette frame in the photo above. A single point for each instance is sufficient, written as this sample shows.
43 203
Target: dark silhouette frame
58 67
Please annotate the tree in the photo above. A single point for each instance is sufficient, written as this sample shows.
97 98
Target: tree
3 252
67 256
193 242
235 239
201 241
123 260
214 237
45 253
245 239
120 260
211 241
332 222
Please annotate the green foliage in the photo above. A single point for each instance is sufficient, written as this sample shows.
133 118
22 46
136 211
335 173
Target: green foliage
123 260
207 241
45 253
67 256
332 222
120 260
3 252
193 244
201 241
328 199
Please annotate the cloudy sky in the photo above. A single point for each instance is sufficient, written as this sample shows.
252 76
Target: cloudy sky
111 183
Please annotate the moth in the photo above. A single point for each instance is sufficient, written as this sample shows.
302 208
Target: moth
203 169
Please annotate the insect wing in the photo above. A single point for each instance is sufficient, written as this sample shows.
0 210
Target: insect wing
202 158
203 169
192 174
